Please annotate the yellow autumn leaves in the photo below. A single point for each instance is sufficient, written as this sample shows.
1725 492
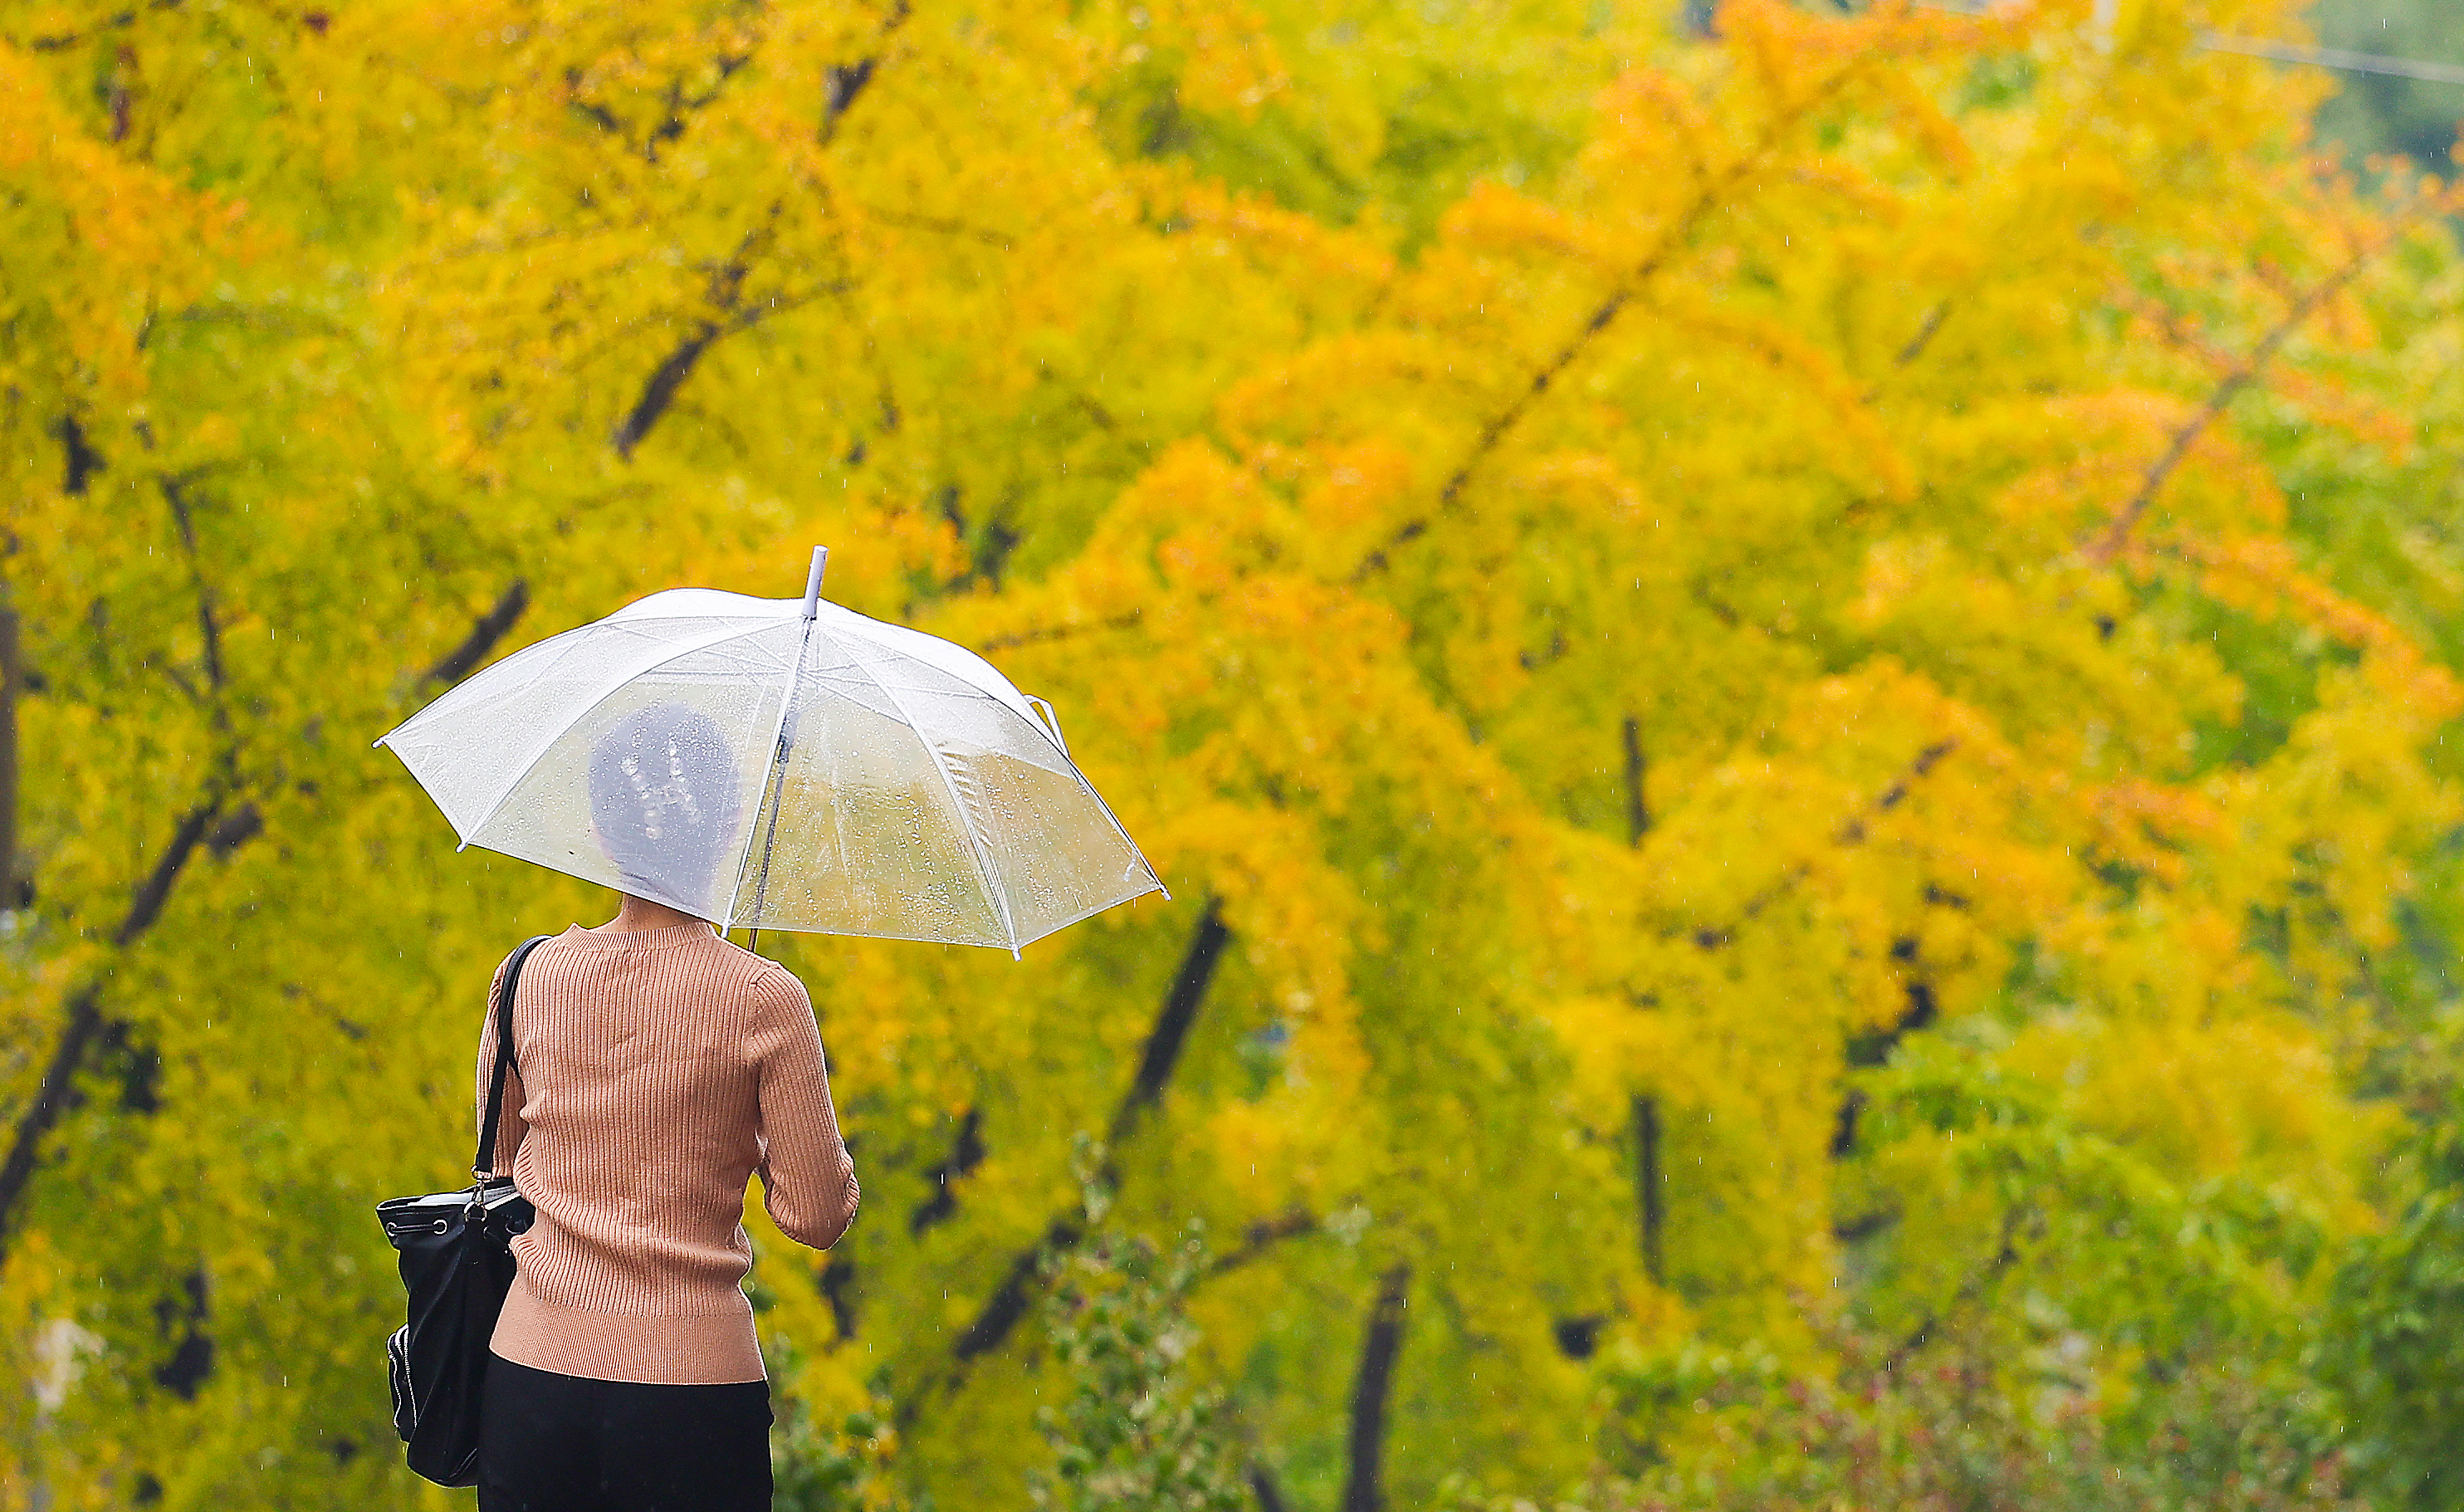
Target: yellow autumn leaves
1716 619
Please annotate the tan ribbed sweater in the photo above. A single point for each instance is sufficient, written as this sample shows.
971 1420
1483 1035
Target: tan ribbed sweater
655 1070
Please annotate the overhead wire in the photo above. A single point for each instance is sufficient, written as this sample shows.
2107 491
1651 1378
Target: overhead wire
2336 58
2330 58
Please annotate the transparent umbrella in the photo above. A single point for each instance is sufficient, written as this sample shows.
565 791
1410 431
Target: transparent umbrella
780 764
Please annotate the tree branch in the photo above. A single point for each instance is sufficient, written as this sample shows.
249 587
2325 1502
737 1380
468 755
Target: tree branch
235 828
221 831
1850 832
2005 1256
1853 833
208 628
659 390
1672 240
80 460
1924 338
1263 1236
1008 1303
966 1153
724 294
1009 1300
489 628
155 891
845 83
1046 634
1171 1031
2161 470
942 226
84 1019
848 80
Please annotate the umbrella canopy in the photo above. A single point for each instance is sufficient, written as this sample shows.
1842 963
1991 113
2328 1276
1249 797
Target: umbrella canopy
782 765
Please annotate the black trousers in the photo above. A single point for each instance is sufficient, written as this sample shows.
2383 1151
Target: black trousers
560 1443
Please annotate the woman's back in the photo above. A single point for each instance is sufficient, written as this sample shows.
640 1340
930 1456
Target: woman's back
656 1070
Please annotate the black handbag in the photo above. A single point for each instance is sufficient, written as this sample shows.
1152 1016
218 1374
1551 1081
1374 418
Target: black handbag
457 1263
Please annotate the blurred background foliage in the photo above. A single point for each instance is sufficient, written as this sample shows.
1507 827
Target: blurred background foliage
1796 668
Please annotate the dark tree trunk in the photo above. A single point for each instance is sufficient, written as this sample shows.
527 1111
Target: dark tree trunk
464 659
1008 1303
1646 1184
10 871
839 1289
1646 1111
80 460
1010 1299
1637 812
77 1032
966 1153
1363 1484
85 1024
1171 1031
659 390
193 1354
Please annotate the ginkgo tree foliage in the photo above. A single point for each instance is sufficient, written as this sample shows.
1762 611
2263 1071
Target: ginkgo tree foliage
1795 686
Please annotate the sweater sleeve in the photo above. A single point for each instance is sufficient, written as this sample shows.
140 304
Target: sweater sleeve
511 1125
807 1179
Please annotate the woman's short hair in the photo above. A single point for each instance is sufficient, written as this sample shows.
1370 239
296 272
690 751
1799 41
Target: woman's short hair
663 795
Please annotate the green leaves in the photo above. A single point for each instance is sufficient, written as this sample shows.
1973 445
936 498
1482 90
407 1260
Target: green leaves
2391 1341
1135 1432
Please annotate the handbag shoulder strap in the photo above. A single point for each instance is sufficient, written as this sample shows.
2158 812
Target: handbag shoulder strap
483 1161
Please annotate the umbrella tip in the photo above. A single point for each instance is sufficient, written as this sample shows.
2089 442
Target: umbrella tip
813 582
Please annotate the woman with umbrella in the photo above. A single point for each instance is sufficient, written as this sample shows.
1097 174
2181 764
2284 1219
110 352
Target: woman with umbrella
657 1067
720 760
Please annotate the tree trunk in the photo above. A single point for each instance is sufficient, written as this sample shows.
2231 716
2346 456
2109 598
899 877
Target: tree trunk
1637 812
1363 1486
8 683
1010 1299
1646 1183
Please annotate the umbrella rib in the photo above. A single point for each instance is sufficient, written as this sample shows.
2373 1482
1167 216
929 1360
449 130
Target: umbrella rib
1052 737
1110 817
959 804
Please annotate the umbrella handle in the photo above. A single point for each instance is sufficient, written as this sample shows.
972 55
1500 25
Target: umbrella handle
1052 718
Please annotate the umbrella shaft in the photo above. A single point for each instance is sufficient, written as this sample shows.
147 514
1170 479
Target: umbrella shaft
775 788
